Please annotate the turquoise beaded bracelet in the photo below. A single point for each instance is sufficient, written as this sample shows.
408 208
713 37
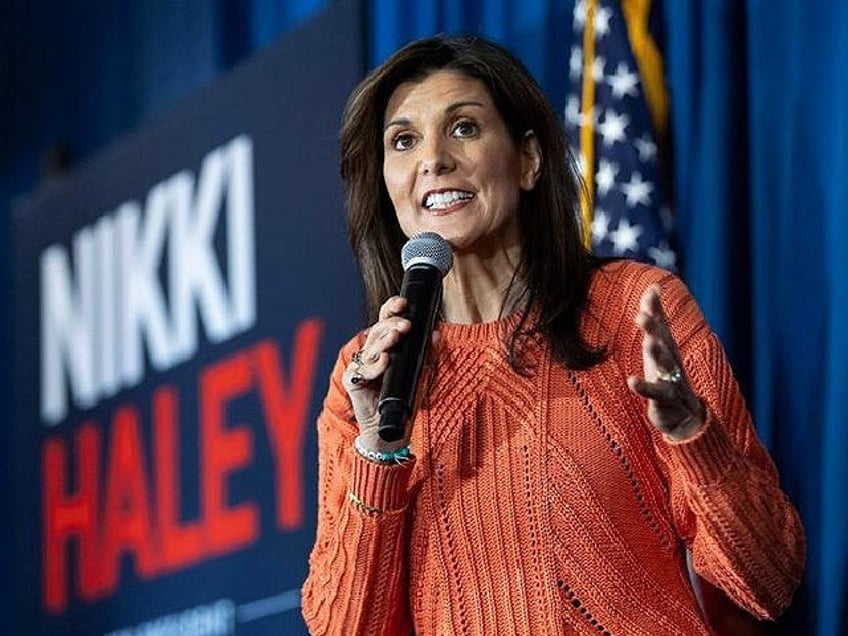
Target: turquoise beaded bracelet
395 457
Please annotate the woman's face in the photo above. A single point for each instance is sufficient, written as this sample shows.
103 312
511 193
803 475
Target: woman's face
450 164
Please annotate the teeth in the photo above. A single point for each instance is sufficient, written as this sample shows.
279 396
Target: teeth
442 200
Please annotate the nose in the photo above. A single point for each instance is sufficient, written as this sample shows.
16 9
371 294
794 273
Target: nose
436 157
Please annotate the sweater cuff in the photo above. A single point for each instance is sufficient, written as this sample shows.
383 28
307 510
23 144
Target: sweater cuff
379 487
706 457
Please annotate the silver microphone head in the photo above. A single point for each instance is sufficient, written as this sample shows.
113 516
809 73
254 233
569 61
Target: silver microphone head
427 248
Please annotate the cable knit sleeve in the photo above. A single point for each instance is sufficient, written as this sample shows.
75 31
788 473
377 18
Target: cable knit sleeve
357 582
744 534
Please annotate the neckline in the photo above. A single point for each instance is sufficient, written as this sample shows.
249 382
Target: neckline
459 332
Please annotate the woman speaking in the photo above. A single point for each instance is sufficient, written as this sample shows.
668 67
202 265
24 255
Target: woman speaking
578 430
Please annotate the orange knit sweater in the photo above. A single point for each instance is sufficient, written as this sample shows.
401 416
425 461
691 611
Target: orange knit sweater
547 503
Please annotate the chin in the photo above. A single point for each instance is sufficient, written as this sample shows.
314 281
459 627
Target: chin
450 234
459 242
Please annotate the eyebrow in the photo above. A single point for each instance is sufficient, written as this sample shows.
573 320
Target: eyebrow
403 121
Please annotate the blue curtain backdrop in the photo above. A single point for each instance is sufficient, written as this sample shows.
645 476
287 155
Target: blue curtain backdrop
760 125
759 94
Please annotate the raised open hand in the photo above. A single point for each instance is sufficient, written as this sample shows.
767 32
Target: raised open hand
672 405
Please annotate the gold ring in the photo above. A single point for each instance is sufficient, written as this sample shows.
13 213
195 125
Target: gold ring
674 376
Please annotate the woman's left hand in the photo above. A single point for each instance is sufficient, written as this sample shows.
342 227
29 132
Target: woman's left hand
672 405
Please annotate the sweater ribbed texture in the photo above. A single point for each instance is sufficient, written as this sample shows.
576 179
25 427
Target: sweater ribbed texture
546 502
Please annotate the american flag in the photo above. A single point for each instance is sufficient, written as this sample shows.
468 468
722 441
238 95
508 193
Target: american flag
616 117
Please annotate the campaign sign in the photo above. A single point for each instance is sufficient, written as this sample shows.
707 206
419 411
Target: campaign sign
179 304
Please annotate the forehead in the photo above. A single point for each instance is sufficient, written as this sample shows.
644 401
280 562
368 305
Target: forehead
436 91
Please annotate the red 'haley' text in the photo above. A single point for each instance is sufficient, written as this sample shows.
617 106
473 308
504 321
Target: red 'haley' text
117 510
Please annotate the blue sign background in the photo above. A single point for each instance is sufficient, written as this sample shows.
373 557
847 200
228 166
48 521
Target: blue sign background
288 101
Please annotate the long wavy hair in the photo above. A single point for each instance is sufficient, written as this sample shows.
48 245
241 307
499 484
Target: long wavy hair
555 269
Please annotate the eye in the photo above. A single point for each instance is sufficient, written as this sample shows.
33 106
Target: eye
465 128
403 141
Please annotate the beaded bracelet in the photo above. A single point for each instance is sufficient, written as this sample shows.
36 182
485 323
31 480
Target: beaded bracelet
395 457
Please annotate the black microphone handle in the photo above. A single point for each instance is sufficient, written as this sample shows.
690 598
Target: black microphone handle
422 288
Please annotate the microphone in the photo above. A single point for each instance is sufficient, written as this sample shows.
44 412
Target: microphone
426 258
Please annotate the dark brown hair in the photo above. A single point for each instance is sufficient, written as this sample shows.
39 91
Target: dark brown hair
555 268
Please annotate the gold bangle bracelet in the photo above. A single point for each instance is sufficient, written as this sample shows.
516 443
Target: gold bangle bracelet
364 507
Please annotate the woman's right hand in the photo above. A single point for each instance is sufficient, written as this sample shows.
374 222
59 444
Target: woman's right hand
362 378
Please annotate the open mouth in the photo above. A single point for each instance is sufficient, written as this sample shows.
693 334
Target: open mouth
445 199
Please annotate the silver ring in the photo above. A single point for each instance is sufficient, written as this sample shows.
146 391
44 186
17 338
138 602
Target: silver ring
356 358
674 376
